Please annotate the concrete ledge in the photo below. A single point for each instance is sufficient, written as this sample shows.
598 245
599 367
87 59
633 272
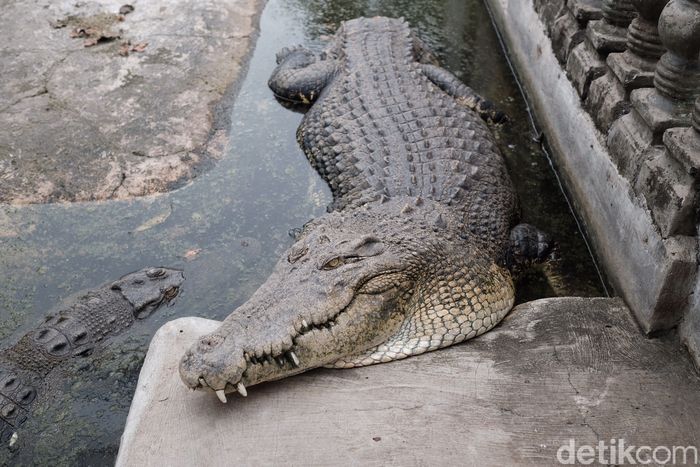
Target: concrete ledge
554 370
655 275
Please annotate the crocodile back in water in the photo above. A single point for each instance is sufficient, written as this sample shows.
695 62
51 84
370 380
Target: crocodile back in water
74 329
412 255
382 127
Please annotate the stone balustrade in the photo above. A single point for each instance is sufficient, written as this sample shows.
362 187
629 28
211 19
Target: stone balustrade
635 65
653 145
632 69
677 73
586 62
610 33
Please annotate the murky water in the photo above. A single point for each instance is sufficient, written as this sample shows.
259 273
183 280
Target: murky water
228 227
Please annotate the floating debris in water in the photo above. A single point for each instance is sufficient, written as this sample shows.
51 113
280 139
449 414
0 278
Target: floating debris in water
190 255
154 221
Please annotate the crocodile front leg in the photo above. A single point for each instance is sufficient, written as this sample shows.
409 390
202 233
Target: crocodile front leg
464 95
301 75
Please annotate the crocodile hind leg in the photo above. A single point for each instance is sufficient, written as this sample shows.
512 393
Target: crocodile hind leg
465 95
457 307
301 75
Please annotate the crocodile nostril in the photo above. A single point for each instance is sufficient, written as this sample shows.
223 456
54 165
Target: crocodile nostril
208 343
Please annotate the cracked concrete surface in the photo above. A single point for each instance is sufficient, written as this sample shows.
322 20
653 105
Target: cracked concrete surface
553 370
97 105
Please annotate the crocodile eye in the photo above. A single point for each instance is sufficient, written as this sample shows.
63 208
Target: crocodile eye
170 293
333 263
155 272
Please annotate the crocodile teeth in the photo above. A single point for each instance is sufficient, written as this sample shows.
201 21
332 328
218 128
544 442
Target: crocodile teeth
221 395
304 324
202 382
293 357
280 360
241 390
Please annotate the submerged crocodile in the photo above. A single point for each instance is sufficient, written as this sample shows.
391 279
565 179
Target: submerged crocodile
79 325
413 255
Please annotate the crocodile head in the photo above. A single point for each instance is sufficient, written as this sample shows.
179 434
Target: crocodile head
352 282
149 288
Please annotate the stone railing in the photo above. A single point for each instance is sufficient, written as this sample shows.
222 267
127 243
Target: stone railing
635 66
631 69
637 141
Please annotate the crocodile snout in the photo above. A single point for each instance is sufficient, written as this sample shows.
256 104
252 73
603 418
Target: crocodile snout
211 365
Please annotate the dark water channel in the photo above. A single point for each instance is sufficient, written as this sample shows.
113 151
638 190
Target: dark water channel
228 227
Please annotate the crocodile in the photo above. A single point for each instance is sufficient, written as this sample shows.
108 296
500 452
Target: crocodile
414 252
75 328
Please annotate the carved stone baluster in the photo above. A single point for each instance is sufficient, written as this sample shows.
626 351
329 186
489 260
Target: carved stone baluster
669 103
569 27
643 33
655 145
677 76
587 60
610 34
634 68
678 72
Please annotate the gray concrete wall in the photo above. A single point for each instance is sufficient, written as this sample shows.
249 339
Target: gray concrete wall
655 275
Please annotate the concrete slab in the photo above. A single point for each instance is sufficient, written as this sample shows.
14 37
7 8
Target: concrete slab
105 100
553 371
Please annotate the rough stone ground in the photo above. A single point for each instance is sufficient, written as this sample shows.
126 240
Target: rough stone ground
554 370
95 104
